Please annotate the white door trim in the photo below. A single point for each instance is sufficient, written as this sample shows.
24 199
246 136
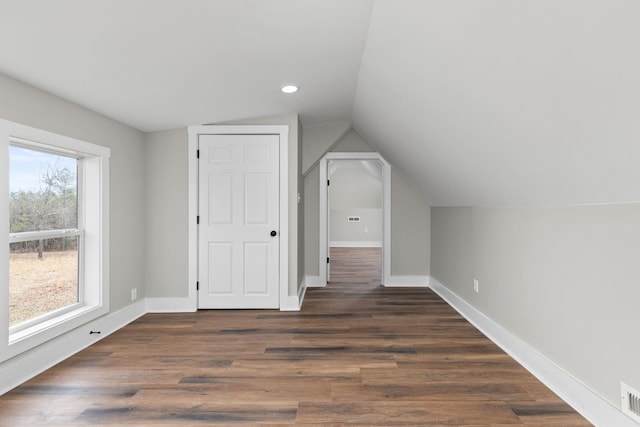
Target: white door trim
324 213
193 132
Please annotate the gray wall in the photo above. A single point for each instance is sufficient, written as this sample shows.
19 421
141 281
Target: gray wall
369 229
354 191
166 201
410 218
352 186
410 230
318 139
166 204
563 279
27 105
352 142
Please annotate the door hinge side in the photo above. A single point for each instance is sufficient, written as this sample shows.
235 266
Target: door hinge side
328 182
198 220
197 286
327 260
197 154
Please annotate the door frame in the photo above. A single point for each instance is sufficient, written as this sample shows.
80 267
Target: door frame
324 211
283 224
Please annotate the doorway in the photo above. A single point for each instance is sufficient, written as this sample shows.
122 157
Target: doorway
238 199
355 217
350 223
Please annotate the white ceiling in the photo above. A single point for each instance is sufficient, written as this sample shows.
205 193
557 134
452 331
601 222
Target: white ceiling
477 102
163 64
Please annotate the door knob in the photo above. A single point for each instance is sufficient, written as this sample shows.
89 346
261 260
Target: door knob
274 233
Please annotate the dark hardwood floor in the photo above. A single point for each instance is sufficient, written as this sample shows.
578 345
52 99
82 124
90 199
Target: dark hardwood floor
356 265
357 354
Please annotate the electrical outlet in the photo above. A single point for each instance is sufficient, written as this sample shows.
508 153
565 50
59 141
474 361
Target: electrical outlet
134 294
476 286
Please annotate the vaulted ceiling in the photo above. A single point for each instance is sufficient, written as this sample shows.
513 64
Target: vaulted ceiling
476 102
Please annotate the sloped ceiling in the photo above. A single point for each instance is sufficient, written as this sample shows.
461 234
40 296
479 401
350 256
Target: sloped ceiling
477 102
506 102
163 64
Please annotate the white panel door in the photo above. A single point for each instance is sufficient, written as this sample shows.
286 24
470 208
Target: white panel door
239 216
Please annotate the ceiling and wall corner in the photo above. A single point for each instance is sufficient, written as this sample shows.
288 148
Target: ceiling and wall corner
319 139
505 103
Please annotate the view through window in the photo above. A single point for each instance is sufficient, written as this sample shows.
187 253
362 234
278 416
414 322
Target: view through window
44 235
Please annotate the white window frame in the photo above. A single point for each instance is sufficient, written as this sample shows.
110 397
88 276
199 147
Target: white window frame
92 232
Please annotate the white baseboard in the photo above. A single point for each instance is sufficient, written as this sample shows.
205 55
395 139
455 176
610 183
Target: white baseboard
354 244
302 291
294 302
407 281
291 304
391 281
22 368
314 282
170 305
590 405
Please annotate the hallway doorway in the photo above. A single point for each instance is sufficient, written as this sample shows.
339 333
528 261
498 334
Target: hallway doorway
354 218
355 205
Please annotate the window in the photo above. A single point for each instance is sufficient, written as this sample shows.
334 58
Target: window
44 236
55 267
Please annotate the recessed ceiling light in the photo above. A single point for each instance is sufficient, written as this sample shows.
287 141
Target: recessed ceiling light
289 89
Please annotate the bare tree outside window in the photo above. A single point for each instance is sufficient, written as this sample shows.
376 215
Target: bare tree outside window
43 265
53 207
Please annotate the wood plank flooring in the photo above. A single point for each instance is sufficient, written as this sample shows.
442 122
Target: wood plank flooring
357 354
356 265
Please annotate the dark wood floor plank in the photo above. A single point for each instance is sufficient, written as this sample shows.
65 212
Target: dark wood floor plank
356 265
357 354
405 413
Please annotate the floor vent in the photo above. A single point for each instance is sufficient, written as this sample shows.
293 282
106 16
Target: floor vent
630 402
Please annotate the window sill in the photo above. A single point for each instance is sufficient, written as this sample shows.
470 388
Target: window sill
30 337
